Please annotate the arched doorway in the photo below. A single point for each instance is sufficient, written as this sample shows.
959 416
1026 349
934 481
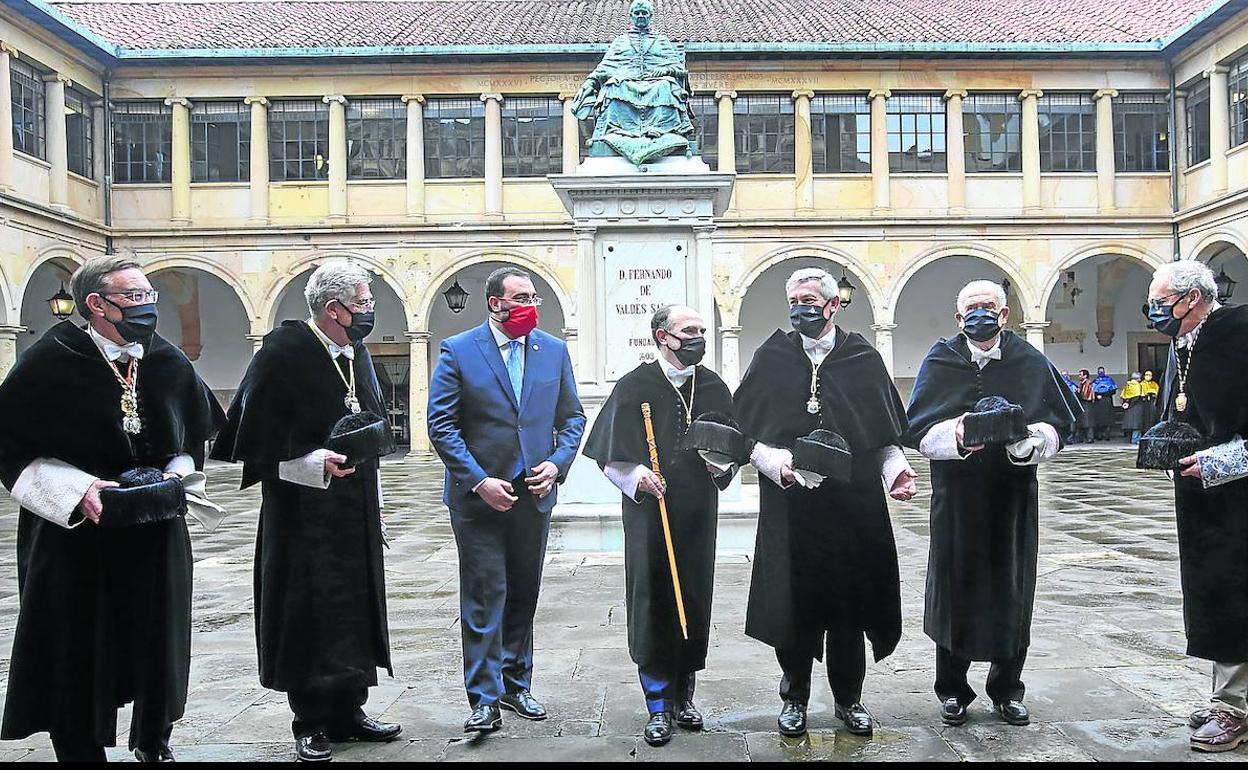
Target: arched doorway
204 317
925 310
47 279
764 308
1226 258
1094 319
387 345
444 322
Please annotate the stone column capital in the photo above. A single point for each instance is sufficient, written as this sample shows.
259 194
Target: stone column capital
955 93
1035 325
703 231
1104 93
418 98
883 328
585 232
1030 93
567 95
419 338
11 332
569 333
263 101
334 99
7 47
487 98
725 95
56 77
879 93
730 331
804 93
1217 69
180 101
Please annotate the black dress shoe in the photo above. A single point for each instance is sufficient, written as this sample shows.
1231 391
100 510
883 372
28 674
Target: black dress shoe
524 704
484 719
688 717
792 720
856 718
659 729
1014 713
953 713
313 748
368 730
163 754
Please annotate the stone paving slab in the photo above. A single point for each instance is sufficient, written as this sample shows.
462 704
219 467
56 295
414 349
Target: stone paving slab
1107 678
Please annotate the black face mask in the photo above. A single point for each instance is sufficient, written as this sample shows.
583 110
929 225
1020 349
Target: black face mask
981 324
361 325
138 322
808 319
691 350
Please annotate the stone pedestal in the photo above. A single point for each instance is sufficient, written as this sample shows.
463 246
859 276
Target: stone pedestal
645 242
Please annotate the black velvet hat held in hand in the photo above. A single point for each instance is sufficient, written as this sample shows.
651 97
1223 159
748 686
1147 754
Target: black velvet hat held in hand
824 453
994 421
144 497
1166 443
359 436
718 434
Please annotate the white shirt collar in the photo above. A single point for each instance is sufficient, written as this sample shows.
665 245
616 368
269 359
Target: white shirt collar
335 349
676 376
1189 339
824 344
981 357
500 337
112 351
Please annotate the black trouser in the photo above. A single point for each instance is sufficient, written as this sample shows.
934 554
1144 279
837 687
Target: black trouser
332 711
75 748
148 732
846 659
1004 678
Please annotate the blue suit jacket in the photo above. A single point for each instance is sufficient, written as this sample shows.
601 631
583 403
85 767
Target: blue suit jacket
477 427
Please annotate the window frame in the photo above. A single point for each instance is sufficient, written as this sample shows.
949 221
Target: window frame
776 130
442 151
30 134
311 119
369 156
1008 160
78 103
202 139
1056 138
156 121
835 110
1159 154
520 130
912 119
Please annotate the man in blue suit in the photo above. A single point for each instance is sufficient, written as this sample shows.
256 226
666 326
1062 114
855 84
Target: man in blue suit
505 419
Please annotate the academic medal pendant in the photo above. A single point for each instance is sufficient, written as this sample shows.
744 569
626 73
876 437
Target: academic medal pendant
1180 402
130 421
352 403
812 405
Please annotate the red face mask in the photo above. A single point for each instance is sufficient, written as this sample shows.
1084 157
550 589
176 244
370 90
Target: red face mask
520 321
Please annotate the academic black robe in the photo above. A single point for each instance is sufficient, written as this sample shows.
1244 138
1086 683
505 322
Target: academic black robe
105 613
1213 523
824 557
981 568
319 580
654 638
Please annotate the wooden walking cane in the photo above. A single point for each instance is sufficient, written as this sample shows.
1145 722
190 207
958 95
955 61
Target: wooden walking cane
667 530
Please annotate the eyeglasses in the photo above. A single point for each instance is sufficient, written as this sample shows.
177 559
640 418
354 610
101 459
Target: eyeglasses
138 296
1156 304
524 299
359 307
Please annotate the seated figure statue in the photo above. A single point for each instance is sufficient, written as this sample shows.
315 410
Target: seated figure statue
640 94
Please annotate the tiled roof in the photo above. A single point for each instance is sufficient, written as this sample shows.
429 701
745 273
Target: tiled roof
148 25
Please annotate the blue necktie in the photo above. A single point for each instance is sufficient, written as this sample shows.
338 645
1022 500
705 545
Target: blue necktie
515 368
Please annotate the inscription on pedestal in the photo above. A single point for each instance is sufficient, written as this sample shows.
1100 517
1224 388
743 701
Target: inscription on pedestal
641 277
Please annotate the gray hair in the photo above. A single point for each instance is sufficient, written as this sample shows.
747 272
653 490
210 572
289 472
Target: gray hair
827 284
998 293
335 280
1188 274
92 278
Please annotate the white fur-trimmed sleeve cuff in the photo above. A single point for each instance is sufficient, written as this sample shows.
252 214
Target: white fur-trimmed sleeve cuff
306 471
1223 463
52 489
626 477
941 442
893 463
769 461
1042 444
183 465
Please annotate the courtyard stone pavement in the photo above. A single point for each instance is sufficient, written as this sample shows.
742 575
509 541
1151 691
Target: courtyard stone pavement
1106 678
